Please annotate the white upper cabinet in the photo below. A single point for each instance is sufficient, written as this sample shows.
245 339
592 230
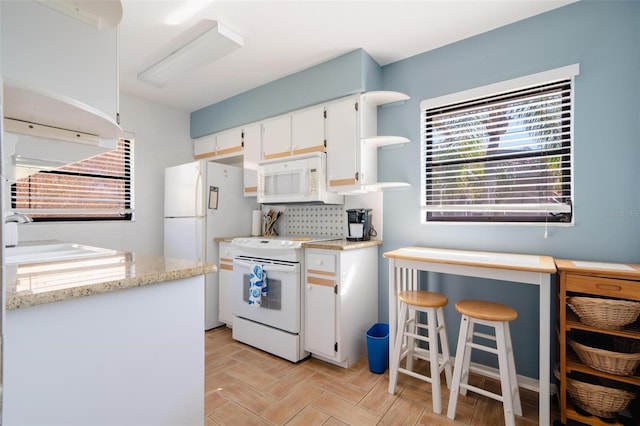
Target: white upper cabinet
204 147
342 136
229 142
276 137
307 130
353 142
52 54
219 146
252 146
299 132
238 146
346 129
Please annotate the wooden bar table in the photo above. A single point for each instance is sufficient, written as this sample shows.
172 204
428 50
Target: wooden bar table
405 263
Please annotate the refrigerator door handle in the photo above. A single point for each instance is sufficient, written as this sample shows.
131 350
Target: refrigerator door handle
198 194
198 241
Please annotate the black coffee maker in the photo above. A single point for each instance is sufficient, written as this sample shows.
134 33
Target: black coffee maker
358 224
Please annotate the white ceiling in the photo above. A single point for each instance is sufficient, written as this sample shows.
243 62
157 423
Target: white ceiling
283 37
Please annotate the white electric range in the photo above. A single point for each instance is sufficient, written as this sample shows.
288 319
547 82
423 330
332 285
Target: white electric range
274 324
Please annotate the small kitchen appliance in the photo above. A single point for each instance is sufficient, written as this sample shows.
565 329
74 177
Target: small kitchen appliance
298 179
358 224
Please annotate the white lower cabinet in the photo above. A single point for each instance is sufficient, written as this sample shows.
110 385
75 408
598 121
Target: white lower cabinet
225 275
340 302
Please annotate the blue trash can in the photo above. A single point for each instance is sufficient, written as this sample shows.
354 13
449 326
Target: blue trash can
378 347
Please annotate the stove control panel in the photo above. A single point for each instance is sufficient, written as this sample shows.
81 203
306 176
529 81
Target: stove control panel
266 243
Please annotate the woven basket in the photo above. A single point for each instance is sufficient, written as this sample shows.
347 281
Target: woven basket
619 363
611 314
601 401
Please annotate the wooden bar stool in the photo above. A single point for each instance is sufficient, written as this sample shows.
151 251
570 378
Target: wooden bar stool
498 317
408 327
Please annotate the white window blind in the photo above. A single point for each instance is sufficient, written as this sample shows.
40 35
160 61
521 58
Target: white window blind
98 188
503 158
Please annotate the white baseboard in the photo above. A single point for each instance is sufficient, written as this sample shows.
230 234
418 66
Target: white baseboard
523 381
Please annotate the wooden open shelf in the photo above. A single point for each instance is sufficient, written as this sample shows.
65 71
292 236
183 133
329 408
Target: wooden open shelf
631 331
576 279
588 419
574 364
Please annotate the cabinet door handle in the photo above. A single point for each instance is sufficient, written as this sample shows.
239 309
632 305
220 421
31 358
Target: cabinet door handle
610 287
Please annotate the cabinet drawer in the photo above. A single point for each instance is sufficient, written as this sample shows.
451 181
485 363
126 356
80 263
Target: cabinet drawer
608 287
226 264
323 264
225 257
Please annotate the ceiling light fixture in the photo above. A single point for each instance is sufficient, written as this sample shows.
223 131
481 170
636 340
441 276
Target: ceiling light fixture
212 41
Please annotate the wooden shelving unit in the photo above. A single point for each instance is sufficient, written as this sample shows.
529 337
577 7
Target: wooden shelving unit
592 279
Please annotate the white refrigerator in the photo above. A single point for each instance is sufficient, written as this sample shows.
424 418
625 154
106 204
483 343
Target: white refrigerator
204 201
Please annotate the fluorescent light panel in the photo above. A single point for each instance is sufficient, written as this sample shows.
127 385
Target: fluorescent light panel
211 45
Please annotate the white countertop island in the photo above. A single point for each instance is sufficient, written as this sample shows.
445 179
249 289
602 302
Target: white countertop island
114 339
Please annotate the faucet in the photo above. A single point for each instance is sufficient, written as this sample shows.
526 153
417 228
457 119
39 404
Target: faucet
11 220
17 217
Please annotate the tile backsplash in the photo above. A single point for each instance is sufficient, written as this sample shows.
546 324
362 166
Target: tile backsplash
326 221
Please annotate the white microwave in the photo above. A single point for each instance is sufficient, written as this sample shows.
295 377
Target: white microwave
298 179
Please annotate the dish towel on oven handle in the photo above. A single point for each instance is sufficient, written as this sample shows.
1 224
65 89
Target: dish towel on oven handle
257 285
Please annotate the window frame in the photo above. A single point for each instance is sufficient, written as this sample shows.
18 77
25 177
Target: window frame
128 212
488 91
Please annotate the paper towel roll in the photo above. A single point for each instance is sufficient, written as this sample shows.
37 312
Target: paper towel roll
256 223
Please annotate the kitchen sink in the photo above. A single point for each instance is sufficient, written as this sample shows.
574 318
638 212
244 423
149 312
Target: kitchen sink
47 251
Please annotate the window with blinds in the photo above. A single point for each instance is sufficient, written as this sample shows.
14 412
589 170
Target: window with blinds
500 158
98 188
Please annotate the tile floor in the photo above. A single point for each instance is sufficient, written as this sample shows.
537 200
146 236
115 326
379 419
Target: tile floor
245 386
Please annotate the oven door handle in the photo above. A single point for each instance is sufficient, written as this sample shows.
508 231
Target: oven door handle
266 266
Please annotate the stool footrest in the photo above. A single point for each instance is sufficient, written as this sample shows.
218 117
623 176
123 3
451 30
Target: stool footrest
482 348
417 336
423 354
414 374
485 336
426 328
481 391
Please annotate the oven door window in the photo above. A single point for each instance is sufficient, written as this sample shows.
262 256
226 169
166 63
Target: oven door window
273 299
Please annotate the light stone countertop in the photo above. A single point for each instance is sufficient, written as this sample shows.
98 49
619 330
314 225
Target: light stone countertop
32 284
341 244
326 245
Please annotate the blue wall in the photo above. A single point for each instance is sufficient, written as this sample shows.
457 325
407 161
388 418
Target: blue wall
353 72
603 37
